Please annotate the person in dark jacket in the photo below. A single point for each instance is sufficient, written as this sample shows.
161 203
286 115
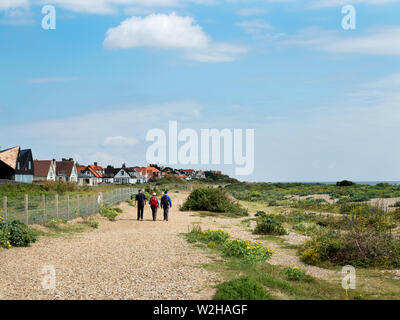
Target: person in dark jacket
166 203
154 204
140 203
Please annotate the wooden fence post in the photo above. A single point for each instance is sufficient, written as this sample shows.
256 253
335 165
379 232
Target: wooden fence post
44 208
5 208
68 207
57 205
26 200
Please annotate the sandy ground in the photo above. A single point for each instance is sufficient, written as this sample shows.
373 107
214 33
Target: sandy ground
128 259
125 259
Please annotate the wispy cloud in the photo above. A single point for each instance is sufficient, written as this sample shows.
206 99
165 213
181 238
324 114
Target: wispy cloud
247 12
51 80
336 3
170 31
120 141
375 41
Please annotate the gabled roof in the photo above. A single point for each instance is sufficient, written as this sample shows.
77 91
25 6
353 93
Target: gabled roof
41 168
110 172
64 168
96 174
10 157
80 168
95 170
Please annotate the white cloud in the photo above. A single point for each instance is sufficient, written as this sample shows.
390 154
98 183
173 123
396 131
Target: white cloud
217 52
246 12
170 31
94 136
254 26
11 4
51 80
336 3
112 6
378 41
157 30
120 141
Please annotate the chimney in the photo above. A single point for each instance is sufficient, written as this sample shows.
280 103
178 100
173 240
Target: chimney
123 165
95 164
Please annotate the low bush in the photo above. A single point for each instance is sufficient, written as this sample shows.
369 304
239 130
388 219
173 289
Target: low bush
308 228
243 288
213 200
16 234
109 213
295 274
218 236
246 250
269 226
357 247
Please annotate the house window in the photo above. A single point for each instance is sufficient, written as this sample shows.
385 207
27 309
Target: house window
18 165
30 165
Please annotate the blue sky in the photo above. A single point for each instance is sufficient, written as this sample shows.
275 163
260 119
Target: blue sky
324 101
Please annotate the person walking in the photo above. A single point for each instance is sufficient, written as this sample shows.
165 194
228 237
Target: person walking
154 204
140 203
166 203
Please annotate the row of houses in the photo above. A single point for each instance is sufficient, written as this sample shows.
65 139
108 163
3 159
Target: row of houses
18 165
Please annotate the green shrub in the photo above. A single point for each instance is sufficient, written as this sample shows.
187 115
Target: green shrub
218 236
243 288
397 204
246 250
308 228
17 234
213 200
261 214
344 183
269 226
357 247
295 273
4 239
108 212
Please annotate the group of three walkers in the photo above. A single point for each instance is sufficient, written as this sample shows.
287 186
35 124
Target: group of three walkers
141 201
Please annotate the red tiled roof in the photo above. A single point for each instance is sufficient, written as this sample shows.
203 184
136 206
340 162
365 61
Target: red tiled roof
96 174
95 170
80 168
41 168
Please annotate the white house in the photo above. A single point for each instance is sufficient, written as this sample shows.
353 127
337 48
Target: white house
44 170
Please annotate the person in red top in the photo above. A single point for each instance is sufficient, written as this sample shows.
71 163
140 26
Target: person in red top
154 204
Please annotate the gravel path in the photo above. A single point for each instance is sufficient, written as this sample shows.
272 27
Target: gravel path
125 259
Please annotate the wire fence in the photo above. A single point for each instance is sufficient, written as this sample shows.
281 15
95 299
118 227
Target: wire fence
38 209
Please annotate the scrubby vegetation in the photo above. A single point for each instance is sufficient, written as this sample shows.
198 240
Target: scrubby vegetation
109 212
213 200
284 193
257 274
270 226
243 288
16 234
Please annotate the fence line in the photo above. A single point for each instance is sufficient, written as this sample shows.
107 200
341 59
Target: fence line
41 208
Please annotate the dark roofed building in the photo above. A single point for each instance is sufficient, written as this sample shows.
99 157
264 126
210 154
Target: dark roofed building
66 170
17 165
44 170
